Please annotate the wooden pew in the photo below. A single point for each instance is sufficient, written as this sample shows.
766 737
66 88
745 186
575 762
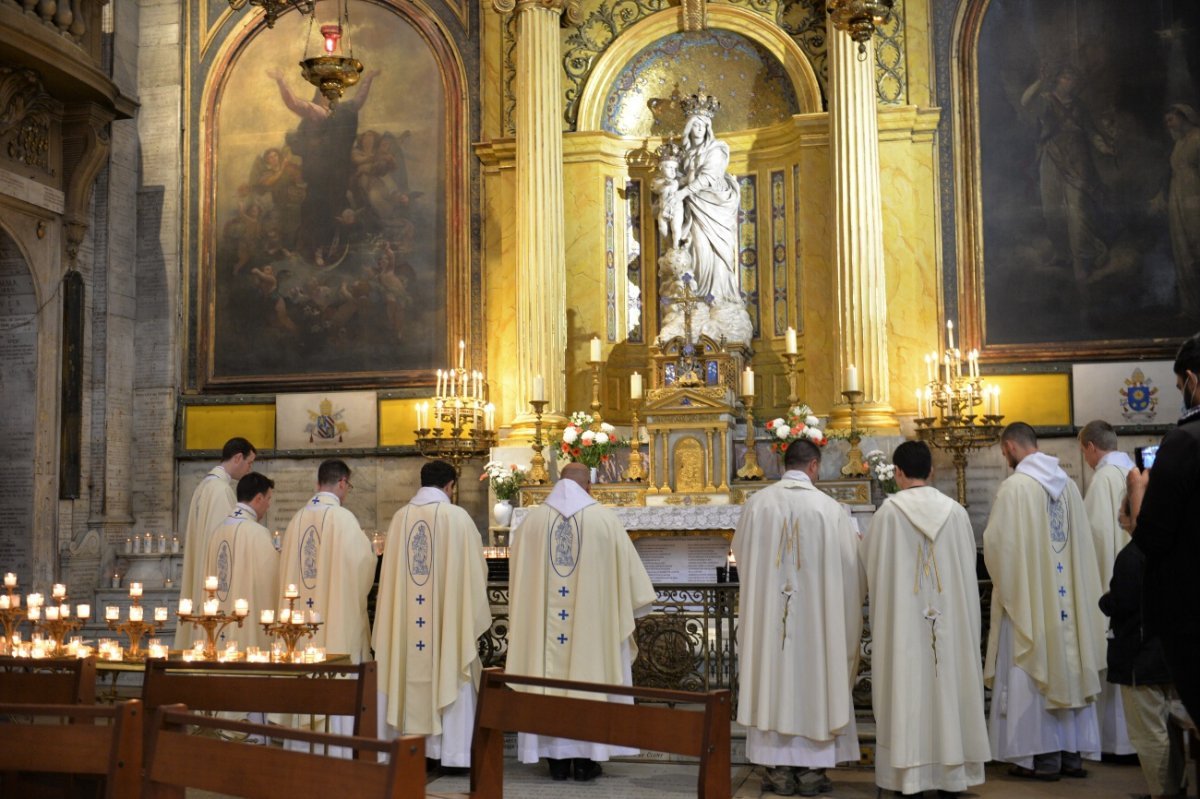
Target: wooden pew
100 740
297 688
703 734
177 760
48 682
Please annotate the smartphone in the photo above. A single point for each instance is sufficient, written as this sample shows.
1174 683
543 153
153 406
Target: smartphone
1144 456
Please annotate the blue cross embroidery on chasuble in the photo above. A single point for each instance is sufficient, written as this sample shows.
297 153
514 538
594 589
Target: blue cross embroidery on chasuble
421 621
309 602
420 599
1062 590
564 591
562 614
562 639
421 645
1064 615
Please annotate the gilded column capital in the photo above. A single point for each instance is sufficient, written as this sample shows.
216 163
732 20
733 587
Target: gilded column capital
572 8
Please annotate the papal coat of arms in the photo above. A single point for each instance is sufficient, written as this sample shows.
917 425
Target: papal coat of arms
326 424
1139 398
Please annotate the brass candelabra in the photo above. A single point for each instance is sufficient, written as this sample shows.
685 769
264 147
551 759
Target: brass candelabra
959 435
60 627
636 472
137 628
11 614
289 630
595 406
463 422
213 623
537 464
750 469
793 396
854 458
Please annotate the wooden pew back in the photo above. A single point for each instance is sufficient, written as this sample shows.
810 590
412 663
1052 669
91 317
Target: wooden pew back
703 734
104 740
177 759
48 682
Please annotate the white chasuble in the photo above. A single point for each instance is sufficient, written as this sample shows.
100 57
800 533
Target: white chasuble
213 500
576 584
927 676
246 565
431 609
329 559
800 620
1105 495
1046 643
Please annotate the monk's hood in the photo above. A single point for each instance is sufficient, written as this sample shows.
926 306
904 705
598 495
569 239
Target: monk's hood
926 508
568 498
1045 469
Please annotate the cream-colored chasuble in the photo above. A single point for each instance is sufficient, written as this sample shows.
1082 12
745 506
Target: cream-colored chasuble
576 583
431 609
213 500
246 565
927 683
329 559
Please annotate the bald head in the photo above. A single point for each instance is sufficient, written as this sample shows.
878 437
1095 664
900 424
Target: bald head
577 473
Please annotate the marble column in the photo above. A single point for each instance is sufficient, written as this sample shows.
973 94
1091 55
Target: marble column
861 294
541 251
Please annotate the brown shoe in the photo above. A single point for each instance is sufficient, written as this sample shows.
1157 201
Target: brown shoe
1030 774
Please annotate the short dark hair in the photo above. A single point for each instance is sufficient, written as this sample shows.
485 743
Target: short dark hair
1188 357
914 459
1021 433
252 485
1100 433
331 472
237 446
800 453
437 473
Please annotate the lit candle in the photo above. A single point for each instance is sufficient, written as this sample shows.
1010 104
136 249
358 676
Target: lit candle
852 378
52 613
595 349
185 607
267 616
128 545
112 612
790 341
58 591
174 545
162 543
35 612
995 400
135 590
211 606
135 613
4 602
489 417
241 608
949 334
748 382
441 379
462 353
635 386
297 617
160 614
10 580
34 600
314 617
539 388
291 592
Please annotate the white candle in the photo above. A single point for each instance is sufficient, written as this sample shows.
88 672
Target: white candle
462 354
210 584
267 616
539 388
83 611
52 613
10 580
291 592
174 545
790 341
35 612
135 613
314 617
852 378
297 617
185 607
211 606
949 334
489 416
34 600
995 400
135 589
4 602
241 608
920 404
112 612
58 591
635 386
748 382
595 349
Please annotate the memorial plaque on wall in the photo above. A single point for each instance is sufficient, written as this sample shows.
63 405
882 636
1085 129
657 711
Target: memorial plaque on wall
18 370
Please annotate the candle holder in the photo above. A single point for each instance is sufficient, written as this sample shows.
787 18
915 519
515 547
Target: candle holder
595 406
750 469
461 424
289 631
537 464
213 623
793 397
136 630
959 435
855 467
636 472
13 615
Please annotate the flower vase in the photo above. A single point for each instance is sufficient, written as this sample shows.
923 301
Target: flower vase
502 511
594 474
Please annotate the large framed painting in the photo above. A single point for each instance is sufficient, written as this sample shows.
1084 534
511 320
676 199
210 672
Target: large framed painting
1078 176
333 239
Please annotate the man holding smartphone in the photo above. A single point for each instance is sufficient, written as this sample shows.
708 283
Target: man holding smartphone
1165 502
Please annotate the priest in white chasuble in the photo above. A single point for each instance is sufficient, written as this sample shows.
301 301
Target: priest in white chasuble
1046 642
802 592
329 560
212 501
926 671
575 585
245 562
431 609
1103 501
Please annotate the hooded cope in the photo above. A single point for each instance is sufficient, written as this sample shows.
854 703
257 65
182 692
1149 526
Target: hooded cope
213 500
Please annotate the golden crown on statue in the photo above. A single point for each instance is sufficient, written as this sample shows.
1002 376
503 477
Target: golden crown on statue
700 104
669 151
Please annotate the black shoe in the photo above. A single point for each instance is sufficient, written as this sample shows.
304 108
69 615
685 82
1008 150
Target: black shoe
586 770
559 769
